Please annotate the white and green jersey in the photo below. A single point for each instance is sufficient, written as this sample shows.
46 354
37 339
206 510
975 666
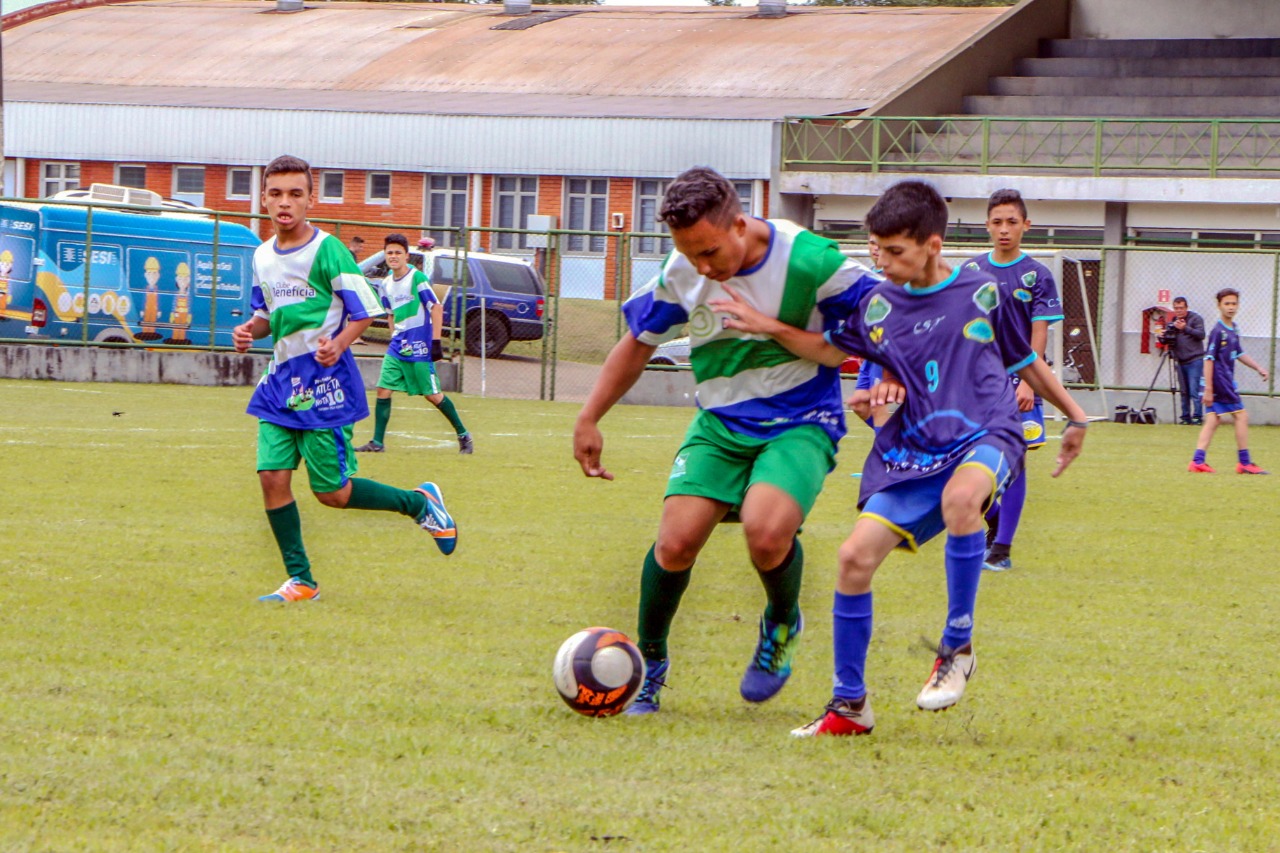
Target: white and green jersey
754 384
408 300
308 293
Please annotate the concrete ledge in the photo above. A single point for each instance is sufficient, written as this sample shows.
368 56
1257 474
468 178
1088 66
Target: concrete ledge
662 388
99 364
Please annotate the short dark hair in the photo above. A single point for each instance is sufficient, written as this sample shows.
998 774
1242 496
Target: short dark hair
396 240
913 208
1181 299
1225 292
357 239
1012 197
699 193
287 164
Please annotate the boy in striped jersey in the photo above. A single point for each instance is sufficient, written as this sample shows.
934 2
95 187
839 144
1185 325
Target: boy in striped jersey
765 434
310 296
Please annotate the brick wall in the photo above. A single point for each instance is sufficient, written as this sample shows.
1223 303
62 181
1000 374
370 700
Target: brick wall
622 193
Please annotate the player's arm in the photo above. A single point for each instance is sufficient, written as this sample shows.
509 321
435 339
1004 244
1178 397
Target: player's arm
245 334
1038 375
331 349
623 366
1248 361
744 318
1208 380
1195 326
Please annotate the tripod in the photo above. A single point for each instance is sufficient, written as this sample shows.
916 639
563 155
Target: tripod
1165 362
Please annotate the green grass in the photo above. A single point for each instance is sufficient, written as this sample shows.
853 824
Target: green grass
1125 699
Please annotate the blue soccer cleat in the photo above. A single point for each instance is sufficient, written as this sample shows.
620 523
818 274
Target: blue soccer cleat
770 666
655 678
1003 564
436 520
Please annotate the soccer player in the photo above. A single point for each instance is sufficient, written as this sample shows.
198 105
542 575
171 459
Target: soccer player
408 366
945 455
1036 306
1221 396
764 437
309 295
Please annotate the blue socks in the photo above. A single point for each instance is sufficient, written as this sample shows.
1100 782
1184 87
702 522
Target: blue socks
1015 497
851 636
1244 457
1199 457
964 569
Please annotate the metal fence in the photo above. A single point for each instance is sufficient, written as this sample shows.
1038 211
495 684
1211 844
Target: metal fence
106 287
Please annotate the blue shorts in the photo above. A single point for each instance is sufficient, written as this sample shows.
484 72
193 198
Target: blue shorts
1226 408
1033 426
913 508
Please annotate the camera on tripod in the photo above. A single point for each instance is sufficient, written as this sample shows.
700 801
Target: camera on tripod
1168 335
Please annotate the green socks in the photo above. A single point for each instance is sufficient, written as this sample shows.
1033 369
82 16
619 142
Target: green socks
660 593
286 524
370 494
381 414
782 586
446 407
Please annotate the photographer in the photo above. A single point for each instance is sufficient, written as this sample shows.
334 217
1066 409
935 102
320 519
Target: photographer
1184 336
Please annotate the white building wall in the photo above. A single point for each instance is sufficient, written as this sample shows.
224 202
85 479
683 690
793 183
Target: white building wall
1118 19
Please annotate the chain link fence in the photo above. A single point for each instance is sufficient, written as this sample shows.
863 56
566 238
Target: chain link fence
533 314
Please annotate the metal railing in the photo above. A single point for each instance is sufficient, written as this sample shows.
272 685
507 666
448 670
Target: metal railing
1095 146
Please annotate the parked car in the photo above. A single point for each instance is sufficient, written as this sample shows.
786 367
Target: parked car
671 354
505 296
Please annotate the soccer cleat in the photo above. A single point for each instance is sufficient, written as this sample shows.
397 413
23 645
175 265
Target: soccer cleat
1200 468
436 520
770 666
466 444
951 672
293 590
1249 468
655 678
371 447
841 717
1003 564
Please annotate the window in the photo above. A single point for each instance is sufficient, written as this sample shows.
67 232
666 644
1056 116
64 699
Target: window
131 175
188 184
239 183
447 270
517 200
331 186
56 177
648 202
378 188
511 277
588 211
746 190
446 206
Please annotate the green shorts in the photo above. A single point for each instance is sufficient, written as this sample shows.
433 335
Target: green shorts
714 462
417 378
330 459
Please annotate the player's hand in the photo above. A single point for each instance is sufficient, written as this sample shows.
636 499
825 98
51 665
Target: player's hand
1262 371
1070 447
328 352
888 390
1208 398
437 351
587 446
860 403
1026 397
242 336
741 316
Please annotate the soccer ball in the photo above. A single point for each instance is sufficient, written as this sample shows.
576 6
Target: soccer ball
598 672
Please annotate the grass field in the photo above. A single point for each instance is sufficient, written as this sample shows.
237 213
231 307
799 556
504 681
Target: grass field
1125 699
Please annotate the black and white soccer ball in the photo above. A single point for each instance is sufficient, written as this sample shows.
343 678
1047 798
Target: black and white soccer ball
598 672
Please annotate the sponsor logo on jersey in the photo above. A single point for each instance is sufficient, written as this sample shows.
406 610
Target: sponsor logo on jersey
926 326
1029 279
1032 430
877 334
1022 295
987 297
979 330
877 309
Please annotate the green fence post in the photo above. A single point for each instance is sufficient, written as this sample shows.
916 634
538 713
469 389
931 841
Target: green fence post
986 145
549 256
875 145
555 321
1101 308
88 263
461 264
213 292
1275 320
1213 148
1097 147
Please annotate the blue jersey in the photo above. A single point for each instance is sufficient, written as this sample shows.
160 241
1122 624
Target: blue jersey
869 374
953 346
1223 350
1035 293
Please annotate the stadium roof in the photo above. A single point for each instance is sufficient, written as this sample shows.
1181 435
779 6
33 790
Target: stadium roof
447 59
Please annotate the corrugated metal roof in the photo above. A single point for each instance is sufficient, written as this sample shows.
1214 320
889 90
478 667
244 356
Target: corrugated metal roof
606 61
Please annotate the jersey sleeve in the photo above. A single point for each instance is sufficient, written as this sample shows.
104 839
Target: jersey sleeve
1046 302
257 302
655 314
426 294
338 267
841 294
850 333
381 292
1215 345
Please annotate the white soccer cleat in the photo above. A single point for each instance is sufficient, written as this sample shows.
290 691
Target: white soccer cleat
951 673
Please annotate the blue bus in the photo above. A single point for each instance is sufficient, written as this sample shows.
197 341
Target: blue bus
152 275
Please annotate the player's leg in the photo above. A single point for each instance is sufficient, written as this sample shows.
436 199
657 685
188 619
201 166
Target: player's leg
278 455
687 523
1009 508
331 466
981 477
1199 462
1244 464
381 417
435 396
785 480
